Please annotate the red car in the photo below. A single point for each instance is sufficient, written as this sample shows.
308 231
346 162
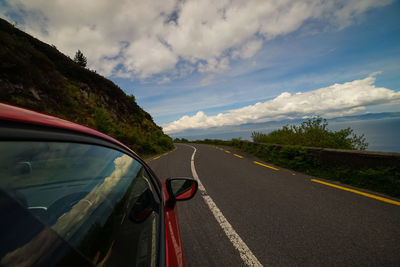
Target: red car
72 196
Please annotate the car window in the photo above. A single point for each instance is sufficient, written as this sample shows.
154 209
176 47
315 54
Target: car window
99 200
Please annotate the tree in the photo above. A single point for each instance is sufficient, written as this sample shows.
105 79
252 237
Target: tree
80 59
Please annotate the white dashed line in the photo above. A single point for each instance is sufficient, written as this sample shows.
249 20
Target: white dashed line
245 253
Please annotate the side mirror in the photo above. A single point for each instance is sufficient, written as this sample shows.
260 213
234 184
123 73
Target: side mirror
180 189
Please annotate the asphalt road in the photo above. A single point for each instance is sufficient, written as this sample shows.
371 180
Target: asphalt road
283 217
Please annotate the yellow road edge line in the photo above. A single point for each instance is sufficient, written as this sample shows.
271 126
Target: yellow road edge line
259 163
358 192
238 156
227 151
157 157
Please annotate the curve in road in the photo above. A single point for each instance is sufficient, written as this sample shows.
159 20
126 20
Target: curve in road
283 217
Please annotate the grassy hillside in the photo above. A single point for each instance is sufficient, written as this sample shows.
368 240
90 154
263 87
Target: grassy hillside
37 76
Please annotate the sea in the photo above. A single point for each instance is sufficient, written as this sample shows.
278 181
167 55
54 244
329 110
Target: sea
381 134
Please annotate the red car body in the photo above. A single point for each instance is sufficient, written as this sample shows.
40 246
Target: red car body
173 245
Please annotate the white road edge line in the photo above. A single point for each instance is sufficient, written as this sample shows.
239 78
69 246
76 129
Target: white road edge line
245 253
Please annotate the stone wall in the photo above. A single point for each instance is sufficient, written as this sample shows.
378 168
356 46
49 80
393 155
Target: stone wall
353 158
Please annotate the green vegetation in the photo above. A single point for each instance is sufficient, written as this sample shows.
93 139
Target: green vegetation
384 180
181 140
103 121
37 76
313 133
80 59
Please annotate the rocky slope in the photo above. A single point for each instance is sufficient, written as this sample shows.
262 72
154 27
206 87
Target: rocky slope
37 76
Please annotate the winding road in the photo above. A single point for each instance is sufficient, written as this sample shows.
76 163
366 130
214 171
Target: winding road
251 213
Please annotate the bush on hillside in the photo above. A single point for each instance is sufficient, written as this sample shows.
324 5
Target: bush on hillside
103 121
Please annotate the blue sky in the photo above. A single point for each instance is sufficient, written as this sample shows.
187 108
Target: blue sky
198 59
291 63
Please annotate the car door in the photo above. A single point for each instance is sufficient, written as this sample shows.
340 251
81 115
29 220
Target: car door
68 200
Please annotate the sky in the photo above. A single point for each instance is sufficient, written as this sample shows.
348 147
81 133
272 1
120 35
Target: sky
201 64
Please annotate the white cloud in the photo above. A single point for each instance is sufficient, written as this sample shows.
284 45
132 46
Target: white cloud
207 80
248 49
151 37
164 79
335 100
148 56
213 65
345 112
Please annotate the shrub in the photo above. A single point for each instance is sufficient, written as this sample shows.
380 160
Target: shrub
313 133
103 120
165 141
